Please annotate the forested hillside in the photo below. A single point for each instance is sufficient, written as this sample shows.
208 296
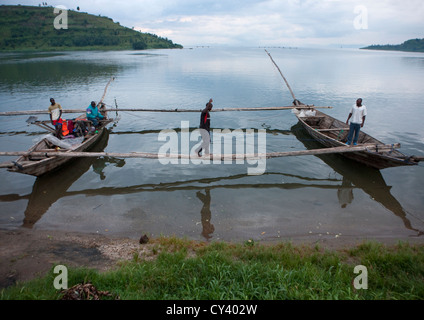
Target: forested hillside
32 28
413 45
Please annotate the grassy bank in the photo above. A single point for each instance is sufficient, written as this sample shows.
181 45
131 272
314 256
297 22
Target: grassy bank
172 268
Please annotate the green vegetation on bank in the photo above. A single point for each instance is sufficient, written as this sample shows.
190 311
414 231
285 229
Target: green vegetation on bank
413 45
173 268
32 28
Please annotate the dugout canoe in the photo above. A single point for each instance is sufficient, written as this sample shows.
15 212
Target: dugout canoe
331 132
41 165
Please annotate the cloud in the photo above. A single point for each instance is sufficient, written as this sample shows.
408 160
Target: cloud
254 23
263 22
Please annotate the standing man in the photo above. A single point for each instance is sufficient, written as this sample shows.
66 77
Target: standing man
55 112
205 127
358 114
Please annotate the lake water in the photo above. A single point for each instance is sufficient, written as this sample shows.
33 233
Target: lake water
307 197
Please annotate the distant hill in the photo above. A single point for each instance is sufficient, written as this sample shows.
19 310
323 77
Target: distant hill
32 28
413 45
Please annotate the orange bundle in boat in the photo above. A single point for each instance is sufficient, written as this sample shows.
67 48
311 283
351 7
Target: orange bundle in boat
65 130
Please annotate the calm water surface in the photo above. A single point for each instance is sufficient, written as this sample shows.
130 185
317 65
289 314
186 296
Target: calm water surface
305 197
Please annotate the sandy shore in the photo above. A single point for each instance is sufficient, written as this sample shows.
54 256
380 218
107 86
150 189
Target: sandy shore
26 253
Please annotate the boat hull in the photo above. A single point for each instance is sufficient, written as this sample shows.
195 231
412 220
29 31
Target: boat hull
335 136
49 164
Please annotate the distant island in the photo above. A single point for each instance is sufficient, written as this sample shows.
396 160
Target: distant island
32 28
413 45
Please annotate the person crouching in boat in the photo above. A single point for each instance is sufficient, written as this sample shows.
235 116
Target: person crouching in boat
93 114
55 112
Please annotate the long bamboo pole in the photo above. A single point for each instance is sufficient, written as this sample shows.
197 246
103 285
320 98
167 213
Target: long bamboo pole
284 78
147 155
35 112
104 93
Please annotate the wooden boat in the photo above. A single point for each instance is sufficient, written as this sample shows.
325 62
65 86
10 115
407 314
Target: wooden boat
38 166
331 132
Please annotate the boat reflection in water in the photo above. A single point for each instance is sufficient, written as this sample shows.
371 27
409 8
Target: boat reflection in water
370 181
50 187
357 175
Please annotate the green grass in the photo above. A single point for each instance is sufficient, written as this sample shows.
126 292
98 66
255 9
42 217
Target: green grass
183 269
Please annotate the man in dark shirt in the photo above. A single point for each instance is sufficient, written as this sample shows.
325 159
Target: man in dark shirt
205 127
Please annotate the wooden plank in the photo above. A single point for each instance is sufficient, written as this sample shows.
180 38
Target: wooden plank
343 149
332 129
29 112
6 165
225 109
44 126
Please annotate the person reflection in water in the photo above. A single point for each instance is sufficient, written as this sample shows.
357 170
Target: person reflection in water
101 163
345 193
208 227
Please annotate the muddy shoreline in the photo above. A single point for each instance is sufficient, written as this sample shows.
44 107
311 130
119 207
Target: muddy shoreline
26 253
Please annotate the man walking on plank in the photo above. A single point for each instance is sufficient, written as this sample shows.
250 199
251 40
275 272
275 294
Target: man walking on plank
205 127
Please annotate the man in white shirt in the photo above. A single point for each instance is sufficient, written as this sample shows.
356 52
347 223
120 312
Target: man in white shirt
55 111
357 115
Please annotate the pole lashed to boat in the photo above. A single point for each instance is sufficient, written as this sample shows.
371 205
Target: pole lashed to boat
284 78
41 112
147 155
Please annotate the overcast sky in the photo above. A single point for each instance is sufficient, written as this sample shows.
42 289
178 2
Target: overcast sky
296 23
